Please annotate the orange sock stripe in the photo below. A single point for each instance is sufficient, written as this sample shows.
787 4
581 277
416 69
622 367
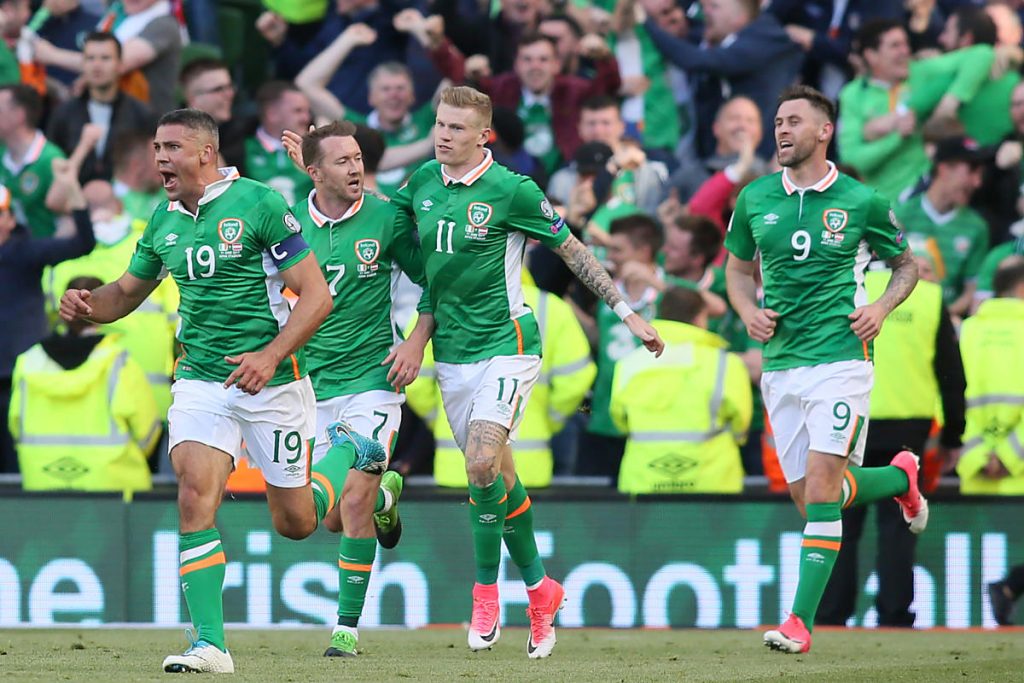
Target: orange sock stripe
325 482
471 501
818 543
352 567
217 558
853 489
519 510
503 499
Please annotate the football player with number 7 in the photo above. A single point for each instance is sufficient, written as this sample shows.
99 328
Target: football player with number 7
474 217
814 229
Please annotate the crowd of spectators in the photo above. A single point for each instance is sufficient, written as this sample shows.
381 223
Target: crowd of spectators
641 119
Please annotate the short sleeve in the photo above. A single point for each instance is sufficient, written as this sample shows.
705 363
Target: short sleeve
977 254
532 214
279 232
145 263
739 239
884 231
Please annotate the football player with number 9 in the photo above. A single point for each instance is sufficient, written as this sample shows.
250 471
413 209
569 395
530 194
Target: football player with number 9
814 229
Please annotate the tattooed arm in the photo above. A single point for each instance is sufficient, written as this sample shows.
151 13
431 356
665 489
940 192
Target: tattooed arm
591 273
867 320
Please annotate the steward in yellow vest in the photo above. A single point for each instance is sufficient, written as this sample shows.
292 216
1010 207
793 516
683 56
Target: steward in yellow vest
992 342
686 413
148 332
82 415
918 374
566 374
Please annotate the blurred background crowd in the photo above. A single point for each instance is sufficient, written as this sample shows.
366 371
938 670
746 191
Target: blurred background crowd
642 120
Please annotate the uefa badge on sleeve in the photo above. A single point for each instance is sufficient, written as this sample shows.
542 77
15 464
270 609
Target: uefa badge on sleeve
292 223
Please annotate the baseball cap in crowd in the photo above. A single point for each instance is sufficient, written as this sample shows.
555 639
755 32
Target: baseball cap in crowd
960 148
591 157
5 199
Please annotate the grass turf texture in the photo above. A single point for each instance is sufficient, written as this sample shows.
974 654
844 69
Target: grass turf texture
439 655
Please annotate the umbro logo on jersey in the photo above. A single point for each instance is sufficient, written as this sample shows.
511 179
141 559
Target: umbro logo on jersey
771 219
172 238
425 206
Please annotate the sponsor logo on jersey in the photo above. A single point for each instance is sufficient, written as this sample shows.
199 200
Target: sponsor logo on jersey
479 213
425 206
769 219
291 222
835 219
29 182
172 238
368 251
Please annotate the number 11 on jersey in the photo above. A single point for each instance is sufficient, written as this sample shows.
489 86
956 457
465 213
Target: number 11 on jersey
445 227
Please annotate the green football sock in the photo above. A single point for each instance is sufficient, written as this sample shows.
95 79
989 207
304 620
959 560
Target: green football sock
202 580
328 477
518 535
487 517
355 559
823 535
863 485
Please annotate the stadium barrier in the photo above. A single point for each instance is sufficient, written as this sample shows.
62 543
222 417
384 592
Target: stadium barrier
649 563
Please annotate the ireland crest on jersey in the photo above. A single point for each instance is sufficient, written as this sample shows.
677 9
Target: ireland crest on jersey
367 250
835 219
479 213
230 231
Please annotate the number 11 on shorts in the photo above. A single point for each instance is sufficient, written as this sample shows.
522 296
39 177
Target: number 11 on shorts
501 390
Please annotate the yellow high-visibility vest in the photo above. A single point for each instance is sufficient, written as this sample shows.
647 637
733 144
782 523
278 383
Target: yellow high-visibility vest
993 352
905 384
90 428
685 414
148 332
566 373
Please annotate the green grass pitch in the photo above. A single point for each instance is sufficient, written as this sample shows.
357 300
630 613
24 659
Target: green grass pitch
440 655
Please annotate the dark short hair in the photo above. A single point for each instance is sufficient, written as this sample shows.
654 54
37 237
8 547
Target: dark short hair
641 229
573 25
27 99
312 152
193 119
533 37
681 305
1007 277
600 103
198 67
372 145
103 37
706 238
869 37
977 22
271 92
814 97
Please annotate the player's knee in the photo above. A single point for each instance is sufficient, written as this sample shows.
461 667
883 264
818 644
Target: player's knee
294 527
481 470
195 506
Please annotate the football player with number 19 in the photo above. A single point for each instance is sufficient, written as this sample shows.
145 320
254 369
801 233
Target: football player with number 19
814 230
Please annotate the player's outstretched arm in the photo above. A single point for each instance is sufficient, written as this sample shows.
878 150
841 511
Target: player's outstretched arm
867 320
596 278
257 368
742 290
108 303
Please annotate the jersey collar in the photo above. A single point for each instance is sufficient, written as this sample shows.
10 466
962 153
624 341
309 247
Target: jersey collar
373 120
472 175
33 152
320 219
830 178
212 191
267 141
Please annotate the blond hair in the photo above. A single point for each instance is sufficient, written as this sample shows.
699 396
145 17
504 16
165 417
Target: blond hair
465 97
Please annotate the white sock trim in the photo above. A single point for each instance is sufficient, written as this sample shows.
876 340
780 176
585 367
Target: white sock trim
830 529
535 586
389 500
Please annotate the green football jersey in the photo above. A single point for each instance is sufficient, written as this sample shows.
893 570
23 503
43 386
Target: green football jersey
960 235
417 125
226 262
268 162
614 342
361 256
815 244
992 261
473 233
28 183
